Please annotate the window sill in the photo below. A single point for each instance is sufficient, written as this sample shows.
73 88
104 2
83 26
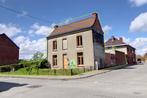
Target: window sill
54 50
64 49
55 66
80 65
79 46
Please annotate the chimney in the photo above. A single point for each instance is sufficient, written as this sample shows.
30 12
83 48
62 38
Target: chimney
94 14
113 38
56 26
121 39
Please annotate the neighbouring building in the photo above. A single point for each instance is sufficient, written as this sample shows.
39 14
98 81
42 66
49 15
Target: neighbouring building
9 51
145 57
115 58
117 44
81 42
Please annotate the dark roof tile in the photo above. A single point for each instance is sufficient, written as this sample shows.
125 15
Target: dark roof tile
82 24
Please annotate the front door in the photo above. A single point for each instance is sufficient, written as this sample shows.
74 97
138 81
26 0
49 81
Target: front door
65 61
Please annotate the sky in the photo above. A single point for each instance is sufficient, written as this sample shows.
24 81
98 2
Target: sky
120 18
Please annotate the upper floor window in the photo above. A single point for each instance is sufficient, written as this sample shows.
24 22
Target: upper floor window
54 45
79 41
64 44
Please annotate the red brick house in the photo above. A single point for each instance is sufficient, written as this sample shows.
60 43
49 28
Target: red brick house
117 44
9 51
116 58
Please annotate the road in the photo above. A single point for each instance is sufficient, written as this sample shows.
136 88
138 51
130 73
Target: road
129 82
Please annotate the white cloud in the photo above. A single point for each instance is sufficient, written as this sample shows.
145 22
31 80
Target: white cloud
10 29
107 28
126 40
45 30
139 24
24 13
139 43
138 2
28 47
40 29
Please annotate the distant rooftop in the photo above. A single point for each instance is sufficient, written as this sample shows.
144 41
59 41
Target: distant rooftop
113 41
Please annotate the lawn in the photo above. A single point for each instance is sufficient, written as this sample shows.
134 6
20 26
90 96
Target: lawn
45 71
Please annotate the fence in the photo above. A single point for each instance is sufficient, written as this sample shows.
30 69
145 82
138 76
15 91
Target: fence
20 70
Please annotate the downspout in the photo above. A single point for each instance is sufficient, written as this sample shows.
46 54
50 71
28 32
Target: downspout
47 48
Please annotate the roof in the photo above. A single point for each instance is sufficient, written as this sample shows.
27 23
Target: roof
4 35
113 41
75 26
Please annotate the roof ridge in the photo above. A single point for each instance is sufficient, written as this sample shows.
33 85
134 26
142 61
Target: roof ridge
3 34
74 26
75 22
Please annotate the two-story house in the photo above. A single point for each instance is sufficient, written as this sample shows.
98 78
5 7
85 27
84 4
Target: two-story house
9 51
81 41
115 44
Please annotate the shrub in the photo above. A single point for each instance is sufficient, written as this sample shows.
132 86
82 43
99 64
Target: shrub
44 64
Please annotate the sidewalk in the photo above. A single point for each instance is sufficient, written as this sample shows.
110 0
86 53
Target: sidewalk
81 76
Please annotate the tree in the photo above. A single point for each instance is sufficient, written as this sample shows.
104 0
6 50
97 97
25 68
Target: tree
38 56
145 55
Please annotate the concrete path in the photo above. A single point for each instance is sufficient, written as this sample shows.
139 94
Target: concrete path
81 76
129 82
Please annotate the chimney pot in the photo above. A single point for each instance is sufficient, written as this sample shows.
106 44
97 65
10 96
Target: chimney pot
94 14
56 26
121 39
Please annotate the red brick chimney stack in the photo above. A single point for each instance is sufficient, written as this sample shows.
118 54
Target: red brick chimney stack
94 14
56 26
121 39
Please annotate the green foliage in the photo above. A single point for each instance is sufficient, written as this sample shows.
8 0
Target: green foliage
46 71
38 56
44 64
37 67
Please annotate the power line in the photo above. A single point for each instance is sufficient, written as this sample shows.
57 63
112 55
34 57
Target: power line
37 18
19 12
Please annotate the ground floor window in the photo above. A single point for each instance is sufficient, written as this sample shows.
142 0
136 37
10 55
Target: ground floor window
80 60
54 60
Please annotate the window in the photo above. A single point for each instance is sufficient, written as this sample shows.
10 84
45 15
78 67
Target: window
80 60
54 60
64 44
54 45
79 41
65 61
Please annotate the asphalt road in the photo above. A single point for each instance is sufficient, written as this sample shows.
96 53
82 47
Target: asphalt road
129 82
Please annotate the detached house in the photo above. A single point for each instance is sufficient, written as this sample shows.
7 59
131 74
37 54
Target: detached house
9 51
81 42
117 44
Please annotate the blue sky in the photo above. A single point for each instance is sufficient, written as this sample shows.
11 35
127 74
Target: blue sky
121 18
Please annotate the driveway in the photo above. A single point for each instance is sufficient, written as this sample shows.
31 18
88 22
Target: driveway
129 82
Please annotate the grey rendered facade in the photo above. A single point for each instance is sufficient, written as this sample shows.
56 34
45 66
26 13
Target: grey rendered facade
92 46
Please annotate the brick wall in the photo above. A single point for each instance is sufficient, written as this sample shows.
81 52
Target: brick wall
9 53
118 58
131 56
109 59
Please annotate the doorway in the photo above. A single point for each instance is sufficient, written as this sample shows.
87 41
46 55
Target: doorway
65 61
